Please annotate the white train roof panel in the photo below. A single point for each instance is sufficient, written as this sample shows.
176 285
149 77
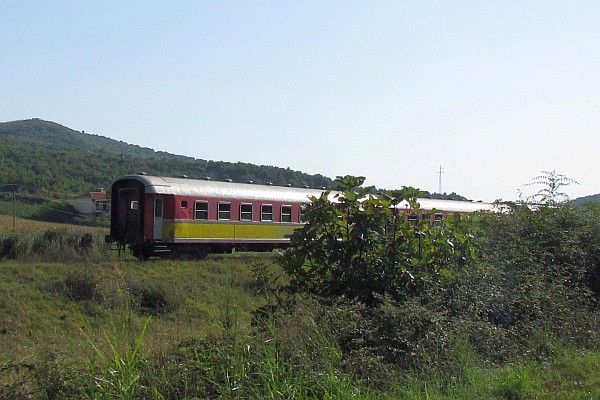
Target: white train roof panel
224 190
454 205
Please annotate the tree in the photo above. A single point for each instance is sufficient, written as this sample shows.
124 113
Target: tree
361 246
551 194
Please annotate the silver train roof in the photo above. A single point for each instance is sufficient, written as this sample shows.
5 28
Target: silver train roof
449 205
217 189
249 191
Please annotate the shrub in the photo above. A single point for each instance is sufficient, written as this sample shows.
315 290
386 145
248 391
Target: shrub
16 245
9 247
65 245
155 298
544 263
80 286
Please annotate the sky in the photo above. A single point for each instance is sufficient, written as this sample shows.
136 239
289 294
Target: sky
491 92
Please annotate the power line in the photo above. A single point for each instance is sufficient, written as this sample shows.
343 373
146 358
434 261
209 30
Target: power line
24 197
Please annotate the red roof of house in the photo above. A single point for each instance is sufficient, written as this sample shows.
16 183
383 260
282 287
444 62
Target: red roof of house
99 194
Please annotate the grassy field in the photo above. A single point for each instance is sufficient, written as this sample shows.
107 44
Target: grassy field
21 224
79 322
68 326
63 311
27 225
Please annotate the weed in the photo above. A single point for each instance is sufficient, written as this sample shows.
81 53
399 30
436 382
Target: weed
122 372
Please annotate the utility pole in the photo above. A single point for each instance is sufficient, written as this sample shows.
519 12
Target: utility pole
440 172
14 210
13 186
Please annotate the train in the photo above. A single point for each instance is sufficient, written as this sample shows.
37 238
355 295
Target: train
189 218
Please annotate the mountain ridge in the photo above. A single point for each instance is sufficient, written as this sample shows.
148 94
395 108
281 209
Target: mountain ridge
46 158
53 133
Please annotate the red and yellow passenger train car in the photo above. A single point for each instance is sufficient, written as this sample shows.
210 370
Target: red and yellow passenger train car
181 217
186 217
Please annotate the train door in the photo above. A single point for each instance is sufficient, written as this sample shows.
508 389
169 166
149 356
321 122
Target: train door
158 218
128 213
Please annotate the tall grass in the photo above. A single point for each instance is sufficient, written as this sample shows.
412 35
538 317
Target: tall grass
54 245
117 375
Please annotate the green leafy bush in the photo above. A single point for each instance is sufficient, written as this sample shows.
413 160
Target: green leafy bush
358 246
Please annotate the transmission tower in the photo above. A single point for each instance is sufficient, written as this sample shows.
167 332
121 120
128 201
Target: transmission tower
440 172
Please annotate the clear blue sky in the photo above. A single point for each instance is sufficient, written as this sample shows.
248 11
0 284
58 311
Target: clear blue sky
492 91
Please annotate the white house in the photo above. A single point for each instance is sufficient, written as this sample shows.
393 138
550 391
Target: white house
93 204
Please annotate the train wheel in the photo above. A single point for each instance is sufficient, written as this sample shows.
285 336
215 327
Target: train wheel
202 252
139 253
190 252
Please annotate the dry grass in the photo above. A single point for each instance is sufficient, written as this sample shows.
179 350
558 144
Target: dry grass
27 225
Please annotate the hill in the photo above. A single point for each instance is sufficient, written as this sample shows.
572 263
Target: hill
39 132
50 160
585 199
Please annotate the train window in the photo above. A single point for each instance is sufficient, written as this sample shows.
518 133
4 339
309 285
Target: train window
266 212
413 219
246 212
158 208
426 218
438 219
201 210
224 211
302 209
286 214
184 204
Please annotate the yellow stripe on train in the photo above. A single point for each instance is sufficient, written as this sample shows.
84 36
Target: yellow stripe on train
226 230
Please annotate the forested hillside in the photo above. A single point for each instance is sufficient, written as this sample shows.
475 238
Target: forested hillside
585 199
42 132
49 160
